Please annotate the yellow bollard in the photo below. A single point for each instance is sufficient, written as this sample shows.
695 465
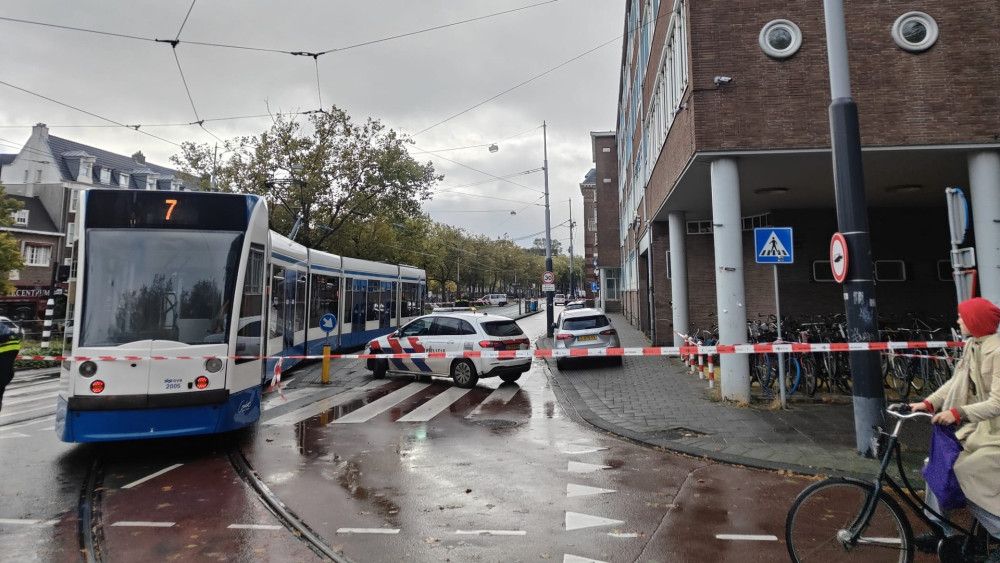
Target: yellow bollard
326 365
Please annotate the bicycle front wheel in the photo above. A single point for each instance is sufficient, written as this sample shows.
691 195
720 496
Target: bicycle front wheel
818 524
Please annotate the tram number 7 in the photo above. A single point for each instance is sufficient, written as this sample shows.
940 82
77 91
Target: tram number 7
171 203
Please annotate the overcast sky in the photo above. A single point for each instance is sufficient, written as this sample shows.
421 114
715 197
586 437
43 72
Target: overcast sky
410 83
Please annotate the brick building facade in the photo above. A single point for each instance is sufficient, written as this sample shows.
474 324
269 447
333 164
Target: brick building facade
607 253
723 126
589 193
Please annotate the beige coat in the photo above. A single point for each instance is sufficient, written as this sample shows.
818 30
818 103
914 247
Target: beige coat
974 390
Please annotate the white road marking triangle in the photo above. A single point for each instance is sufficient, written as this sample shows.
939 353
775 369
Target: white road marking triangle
578 451
574 490
568 558
579 467
578 521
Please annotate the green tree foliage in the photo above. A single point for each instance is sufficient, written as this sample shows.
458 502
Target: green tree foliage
10 250
334 172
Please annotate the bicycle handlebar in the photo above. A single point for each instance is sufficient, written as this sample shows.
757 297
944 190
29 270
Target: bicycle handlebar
902 411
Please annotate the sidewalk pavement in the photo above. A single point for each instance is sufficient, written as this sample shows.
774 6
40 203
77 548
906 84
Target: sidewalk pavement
655 401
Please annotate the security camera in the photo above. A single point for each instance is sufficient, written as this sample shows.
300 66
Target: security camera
722 80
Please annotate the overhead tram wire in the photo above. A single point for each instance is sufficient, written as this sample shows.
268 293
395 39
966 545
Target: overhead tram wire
186 16
187 89
536 77
494 176
266 49
90 113
429 151
185 124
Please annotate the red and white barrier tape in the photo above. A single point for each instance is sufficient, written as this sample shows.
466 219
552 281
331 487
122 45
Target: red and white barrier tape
788 348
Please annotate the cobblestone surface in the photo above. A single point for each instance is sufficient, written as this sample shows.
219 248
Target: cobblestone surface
656 401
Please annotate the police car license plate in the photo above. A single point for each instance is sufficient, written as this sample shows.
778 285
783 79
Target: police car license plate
586 338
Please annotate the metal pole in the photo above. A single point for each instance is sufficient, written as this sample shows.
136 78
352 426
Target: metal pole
549 295
852 220
572 290
781 356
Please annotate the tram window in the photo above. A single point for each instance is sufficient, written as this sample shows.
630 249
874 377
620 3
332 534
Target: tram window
374 300
388 313
358 307
248 333
348 302
300 302
277 321
323 298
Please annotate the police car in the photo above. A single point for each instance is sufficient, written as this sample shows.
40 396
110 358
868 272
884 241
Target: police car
453 332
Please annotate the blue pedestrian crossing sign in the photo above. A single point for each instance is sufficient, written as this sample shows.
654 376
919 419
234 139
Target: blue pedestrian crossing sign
594 287
328 322
773 245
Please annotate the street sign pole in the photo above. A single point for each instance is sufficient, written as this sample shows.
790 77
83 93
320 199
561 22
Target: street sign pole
781 356
549 295
963 260
852 220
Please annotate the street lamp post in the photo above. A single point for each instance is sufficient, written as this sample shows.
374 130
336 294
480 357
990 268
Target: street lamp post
549 295
572 287
852 220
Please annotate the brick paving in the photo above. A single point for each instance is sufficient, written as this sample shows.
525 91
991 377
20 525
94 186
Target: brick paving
654 400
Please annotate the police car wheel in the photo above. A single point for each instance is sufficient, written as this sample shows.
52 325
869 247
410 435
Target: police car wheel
381 367
464 374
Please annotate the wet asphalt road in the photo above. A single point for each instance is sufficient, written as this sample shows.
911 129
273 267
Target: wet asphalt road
398 470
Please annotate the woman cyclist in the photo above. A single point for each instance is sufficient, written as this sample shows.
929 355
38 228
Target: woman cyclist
970 400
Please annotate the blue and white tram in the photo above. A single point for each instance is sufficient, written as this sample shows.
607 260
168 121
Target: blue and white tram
200 275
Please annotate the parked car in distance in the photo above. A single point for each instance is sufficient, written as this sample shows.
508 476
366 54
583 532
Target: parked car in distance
495 299
578 304
454 332
559 299
583 329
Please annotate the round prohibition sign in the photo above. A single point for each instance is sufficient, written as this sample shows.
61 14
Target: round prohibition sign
838 257
548 277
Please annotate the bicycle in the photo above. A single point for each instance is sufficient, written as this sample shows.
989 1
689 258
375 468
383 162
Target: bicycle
844 519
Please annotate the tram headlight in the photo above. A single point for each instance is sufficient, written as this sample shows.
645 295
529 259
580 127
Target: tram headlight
88 369
213 365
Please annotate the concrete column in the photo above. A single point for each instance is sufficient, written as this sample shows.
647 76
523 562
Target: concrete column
678 274
984 185
729 285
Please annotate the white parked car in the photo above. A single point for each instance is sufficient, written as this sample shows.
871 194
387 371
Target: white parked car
584 328
495 299
454 332
559 299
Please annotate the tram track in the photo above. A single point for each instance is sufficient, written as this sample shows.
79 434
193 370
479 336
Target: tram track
288 519
89 516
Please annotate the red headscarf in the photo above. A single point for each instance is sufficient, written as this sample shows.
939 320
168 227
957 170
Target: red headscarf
980 316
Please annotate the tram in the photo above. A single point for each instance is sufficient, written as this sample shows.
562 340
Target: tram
197 301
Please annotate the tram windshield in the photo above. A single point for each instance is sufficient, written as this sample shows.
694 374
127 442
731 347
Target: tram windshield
146 284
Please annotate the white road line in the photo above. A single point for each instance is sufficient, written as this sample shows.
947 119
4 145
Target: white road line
140 524
277 401
432 408
323 405
7 427
254 527
574 490
569 558
498 398
25 411
746 537
367 530
491 532
21 391
377 407
47 396
19 521
14 435
152 476
584 451
578 521
623 535
579 467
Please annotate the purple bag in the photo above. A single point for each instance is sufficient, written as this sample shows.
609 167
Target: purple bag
940 470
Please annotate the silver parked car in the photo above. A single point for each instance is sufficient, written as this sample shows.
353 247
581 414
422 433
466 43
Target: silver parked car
584 328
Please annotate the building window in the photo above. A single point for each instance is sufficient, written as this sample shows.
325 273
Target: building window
699 227
105 175
915 31
74 198
26 176
70 233
780 39
20 217
756 221
592 224
150 183
890 270
38 176
36 255
123 180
